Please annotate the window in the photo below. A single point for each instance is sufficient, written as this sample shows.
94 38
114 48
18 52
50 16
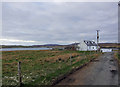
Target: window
93 47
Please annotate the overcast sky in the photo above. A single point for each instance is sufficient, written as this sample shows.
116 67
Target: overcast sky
28 23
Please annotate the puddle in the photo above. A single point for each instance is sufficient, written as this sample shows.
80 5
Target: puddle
70 80
111 60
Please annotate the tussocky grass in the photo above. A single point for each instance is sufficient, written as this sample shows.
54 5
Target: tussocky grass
36 70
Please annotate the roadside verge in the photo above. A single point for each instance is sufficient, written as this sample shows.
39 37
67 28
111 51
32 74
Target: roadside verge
60 78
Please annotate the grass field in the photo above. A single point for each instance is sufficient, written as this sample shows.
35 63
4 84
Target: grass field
41 67
117 55
0 69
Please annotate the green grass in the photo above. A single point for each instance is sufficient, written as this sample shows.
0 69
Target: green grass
36 69
118 54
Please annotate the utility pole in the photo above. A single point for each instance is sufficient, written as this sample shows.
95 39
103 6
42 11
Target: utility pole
119 3
119 22
97 38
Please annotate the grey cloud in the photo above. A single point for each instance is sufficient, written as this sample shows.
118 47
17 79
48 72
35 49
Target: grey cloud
60 23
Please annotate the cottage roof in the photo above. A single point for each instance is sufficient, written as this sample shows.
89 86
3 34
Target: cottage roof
90 43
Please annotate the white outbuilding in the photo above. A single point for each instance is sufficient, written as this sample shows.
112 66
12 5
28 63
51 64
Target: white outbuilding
106 50
86 45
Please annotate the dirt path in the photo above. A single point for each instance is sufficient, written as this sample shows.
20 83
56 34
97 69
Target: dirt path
96 73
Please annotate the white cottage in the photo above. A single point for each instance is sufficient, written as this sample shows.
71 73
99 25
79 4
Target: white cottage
86 45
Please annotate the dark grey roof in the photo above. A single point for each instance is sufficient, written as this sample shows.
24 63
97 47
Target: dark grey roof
90 43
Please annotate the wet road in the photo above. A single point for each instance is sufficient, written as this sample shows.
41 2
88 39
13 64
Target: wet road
102 71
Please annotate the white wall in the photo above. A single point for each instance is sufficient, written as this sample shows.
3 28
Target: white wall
82 46
92 48
106 50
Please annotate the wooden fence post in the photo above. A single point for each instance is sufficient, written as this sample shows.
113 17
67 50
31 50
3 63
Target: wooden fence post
19 73
70 60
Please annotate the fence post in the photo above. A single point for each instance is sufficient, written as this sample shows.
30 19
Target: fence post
19 73
70 60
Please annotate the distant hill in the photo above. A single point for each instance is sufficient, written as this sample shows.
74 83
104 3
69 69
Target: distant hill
111 45
52 45
33 46
73 44
103 45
